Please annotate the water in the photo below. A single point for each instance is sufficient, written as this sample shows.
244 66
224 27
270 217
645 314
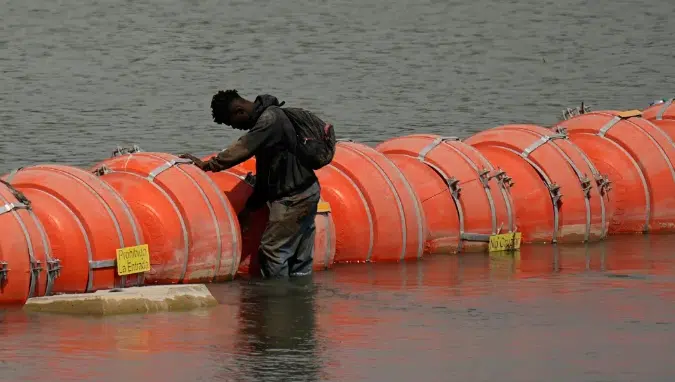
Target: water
602 312
79 77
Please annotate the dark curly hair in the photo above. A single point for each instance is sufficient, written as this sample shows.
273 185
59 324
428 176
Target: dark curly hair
220 105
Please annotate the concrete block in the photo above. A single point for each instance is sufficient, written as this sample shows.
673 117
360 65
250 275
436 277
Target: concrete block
146 299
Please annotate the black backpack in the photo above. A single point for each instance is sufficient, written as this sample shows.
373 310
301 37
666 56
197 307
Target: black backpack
315 138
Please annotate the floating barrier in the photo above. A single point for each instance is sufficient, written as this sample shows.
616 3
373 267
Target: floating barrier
544 167
663 116
85 221
26 266
471 202
238 187
191 228
637 157
377 214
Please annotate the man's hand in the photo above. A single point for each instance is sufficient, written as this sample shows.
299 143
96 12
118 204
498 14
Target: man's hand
197 162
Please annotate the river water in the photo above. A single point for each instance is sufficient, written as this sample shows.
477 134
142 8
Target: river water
602 312
80 77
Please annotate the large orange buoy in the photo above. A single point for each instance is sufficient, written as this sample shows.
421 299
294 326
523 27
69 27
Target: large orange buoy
557 190
377 215
85 220
26 266
637 157
191 228
660 111
476 199
663 116
238 188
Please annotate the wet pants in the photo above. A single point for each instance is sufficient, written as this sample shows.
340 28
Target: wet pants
287 245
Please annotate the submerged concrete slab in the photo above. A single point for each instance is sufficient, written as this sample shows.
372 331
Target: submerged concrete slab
147 299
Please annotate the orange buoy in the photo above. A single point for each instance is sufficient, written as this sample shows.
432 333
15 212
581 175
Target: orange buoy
660 111
26 266
475 200
443 224
663 116
85 220
237 187
191 228
637 157
545 167
377 215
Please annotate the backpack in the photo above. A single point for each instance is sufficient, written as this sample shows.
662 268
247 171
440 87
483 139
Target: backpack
315 146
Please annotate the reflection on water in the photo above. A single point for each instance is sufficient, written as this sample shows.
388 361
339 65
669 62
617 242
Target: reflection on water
569 313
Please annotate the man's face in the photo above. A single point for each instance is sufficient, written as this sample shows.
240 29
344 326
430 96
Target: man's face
239 119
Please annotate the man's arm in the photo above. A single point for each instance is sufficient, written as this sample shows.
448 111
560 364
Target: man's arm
245 147
231 156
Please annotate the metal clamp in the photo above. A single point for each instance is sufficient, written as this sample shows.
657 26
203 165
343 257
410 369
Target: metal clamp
3 273
154 173
453 185
23 200
103 170
604 184
502 178
554 190
571 112
427 149
540 142
125 150
9 207
35 269
475 237
663 109
53 271
586 186
484 177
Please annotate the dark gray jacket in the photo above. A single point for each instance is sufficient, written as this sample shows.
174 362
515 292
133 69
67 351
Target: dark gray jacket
272 141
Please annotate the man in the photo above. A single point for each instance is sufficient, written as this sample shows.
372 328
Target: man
291 190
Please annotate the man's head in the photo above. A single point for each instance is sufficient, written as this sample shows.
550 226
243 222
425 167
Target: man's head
227 107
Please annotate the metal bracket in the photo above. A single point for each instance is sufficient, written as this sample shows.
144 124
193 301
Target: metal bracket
23 200
664 108
571 112
554 190
484 177
3 273
586 186
125 150
154 173
9 207
540 142
98 264
102 170
53 271
35 269
427 149
604 184
475 237
502 178
453 185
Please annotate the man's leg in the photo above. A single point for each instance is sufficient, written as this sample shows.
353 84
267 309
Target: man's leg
301 263
286 228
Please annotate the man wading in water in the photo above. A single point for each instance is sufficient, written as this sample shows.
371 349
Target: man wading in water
286 153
